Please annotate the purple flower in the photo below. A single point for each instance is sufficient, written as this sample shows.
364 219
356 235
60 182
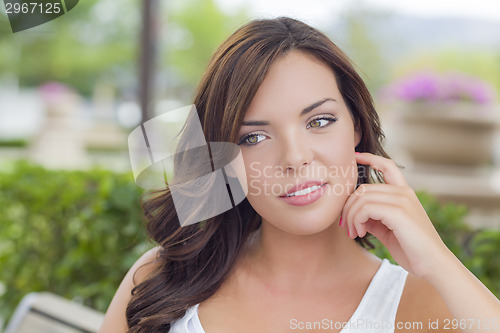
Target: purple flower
436 88
52 91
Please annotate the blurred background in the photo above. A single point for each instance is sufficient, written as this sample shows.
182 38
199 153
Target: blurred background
71 90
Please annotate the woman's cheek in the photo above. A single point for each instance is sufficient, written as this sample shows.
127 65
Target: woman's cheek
354 182
344 177
263 186
255 188
257 179
351 176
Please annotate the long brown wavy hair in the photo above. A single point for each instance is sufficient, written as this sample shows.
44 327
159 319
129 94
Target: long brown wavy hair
194 260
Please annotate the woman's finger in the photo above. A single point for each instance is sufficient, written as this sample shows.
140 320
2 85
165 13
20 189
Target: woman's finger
375 193
380 206
389 169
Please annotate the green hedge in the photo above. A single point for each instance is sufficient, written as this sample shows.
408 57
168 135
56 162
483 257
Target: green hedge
76 234
17 143
72 233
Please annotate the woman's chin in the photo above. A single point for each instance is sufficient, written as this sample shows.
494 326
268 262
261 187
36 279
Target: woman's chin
308 219
305 225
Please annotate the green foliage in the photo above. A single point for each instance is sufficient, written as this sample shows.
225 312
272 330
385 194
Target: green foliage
195 28
484 260
14 143
362 48
73 233
95 41
477 249
99 40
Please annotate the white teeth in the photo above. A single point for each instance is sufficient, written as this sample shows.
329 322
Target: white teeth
304 191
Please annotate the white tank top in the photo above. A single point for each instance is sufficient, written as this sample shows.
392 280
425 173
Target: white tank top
376 313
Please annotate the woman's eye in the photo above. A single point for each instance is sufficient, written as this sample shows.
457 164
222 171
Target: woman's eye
252 139
321 122
316 123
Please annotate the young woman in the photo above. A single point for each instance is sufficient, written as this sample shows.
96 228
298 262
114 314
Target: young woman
290 257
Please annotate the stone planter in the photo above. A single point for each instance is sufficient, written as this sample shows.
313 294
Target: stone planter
454 133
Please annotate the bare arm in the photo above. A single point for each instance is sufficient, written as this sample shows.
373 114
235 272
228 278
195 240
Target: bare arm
115 320
474 307
393 214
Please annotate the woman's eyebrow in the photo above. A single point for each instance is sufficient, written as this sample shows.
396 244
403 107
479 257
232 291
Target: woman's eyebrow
303 112
315 105
255 123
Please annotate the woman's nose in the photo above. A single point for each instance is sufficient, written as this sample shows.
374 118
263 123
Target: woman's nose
295 153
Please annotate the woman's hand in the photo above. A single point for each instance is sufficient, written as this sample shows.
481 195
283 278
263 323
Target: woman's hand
392 213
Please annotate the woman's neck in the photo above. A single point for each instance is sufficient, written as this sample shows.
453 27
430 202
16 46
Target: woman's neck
297 261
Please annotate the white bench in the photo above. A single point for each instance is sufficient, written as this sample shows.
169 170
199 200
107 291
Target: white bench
48 313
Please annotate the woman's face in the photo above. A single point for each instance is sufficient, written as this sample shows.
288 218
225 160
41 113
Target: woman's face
297 142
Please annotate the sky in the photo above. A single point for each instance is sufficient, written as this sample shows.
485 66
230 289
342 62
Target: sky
321 12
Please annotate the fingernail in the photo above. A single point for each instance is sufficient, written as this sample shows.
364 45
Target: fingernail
348 233
340 222
357 152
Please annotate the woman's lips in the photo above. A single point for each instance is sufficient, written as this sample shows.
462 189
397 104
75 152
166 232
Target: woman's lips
302 186
304 194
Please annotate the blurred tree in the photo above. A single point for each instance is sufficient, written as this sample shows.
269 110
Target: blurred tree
96 40
361 46
191 34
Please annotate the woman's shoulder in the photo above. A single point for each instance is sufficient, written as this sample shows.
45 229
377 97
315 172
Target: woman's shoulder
145 265
142 268
422 307
115 319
